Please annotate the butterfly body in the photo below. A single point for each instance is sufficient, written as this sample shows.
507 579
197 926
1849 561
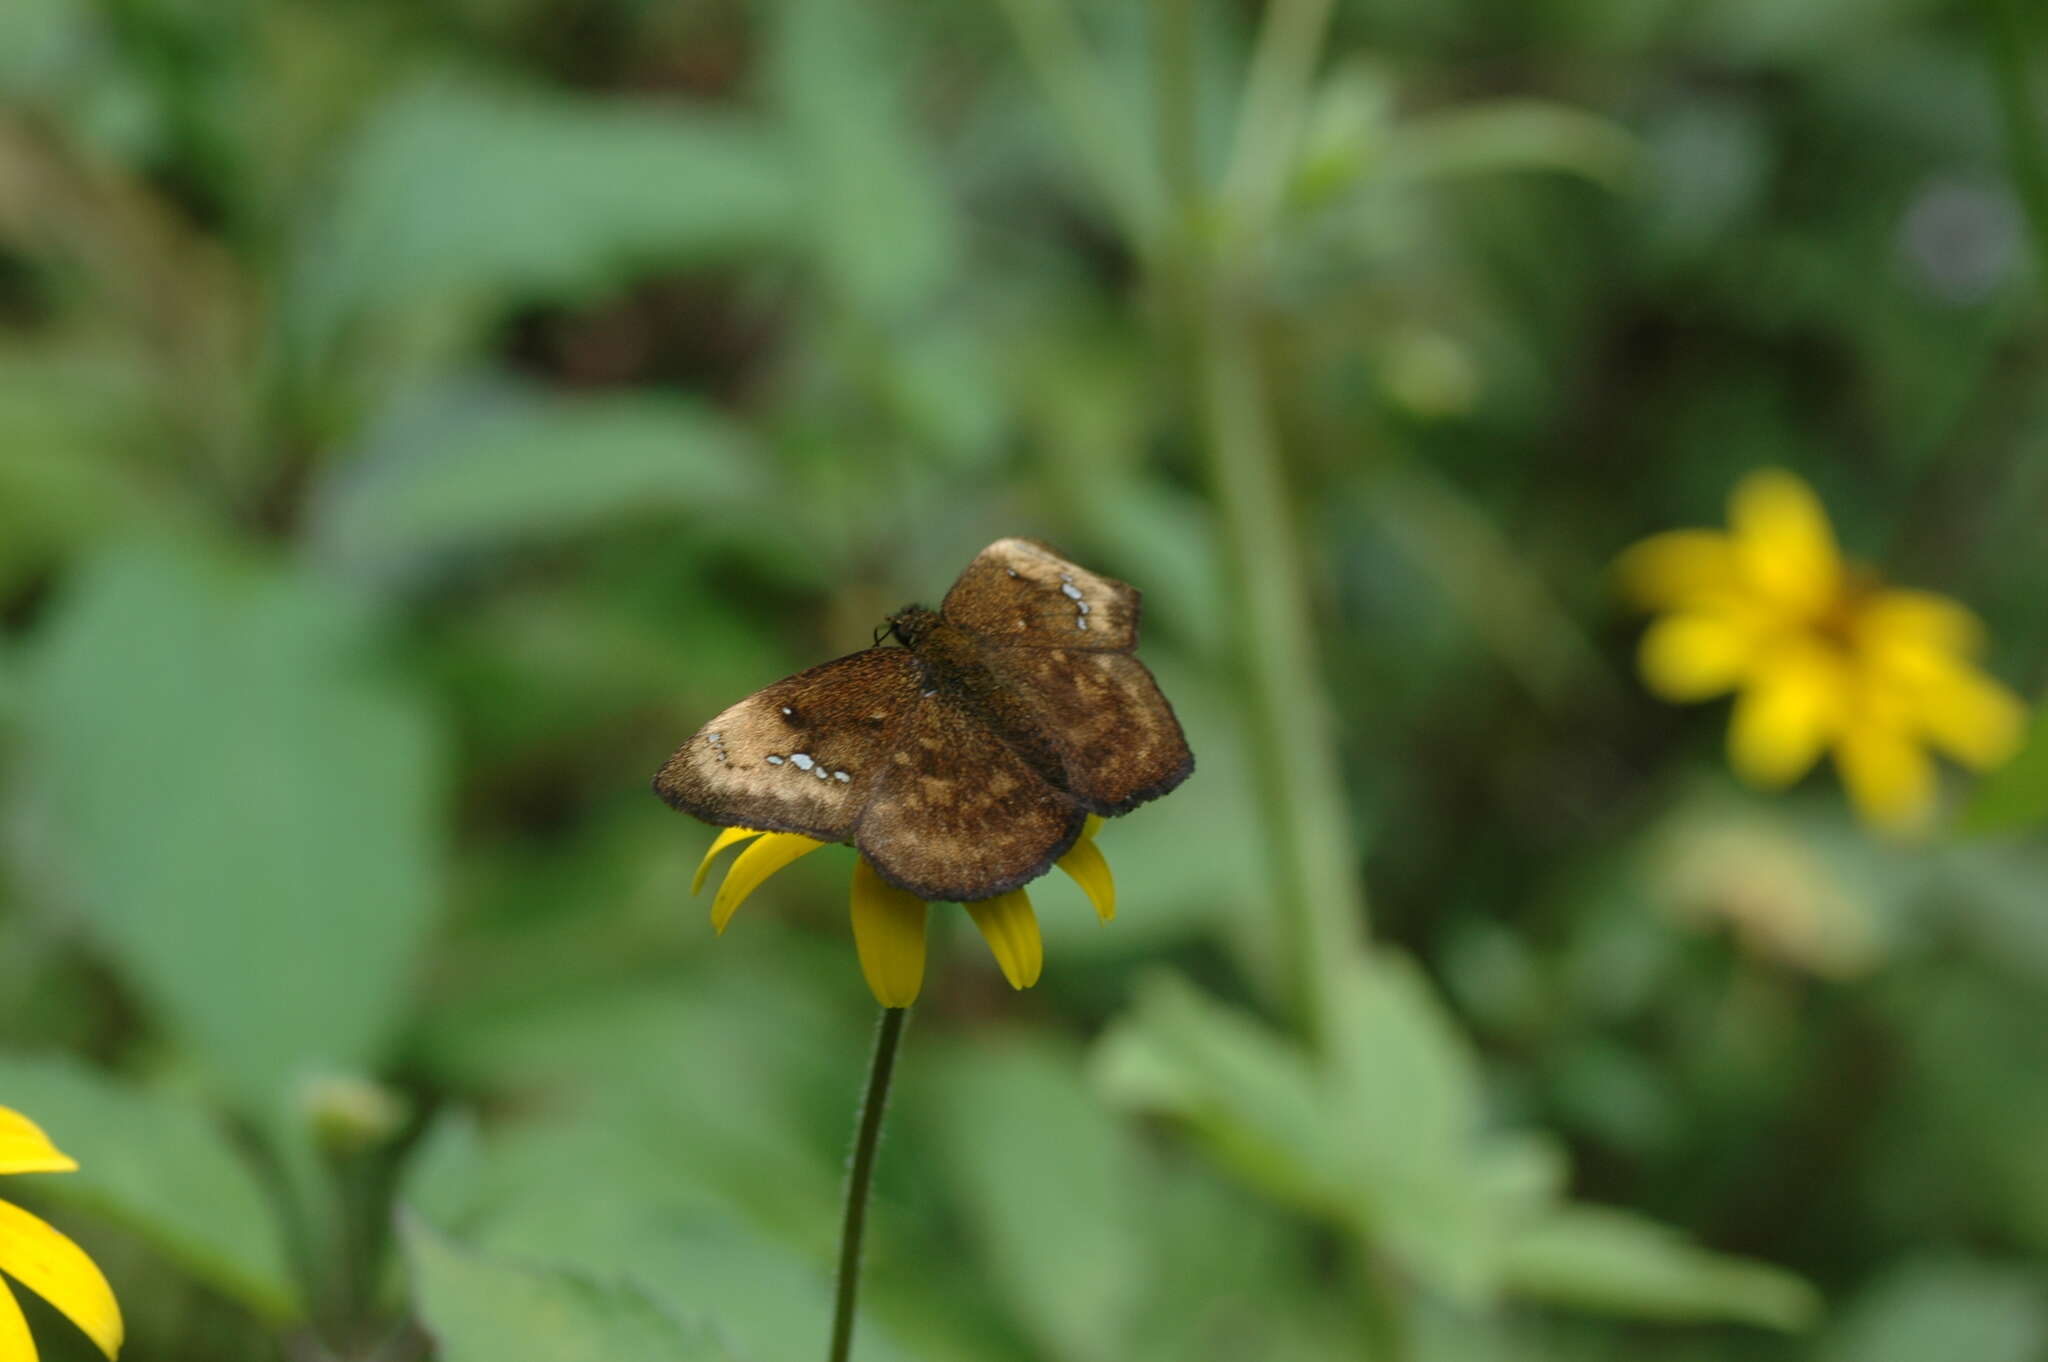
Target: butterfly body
957 665
965 762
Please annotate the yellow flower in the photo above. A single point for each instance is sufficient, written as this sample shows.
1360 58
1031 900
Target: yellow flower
888 923
1823 655
43 1260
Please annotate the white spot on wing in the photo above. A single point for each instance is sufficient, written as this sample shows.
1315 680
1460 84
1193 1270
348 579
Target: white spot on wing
819 773
1073 593
801 760
842 777
775 761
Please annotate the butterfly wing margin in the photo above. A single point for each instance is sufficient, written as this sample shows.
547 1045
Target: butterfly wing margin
1115 733
802 755
959 815
1021 593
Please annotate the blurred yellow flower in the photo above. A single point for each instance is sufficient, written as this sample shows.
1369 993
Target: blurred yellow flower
41 1259
1823 655
888 923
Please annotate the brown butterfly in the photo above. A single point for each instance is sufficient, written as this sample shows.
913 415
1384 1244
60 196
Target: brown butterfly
965 762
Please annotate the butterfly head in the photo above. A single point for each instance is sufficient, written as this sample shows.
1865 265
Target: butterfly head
912 623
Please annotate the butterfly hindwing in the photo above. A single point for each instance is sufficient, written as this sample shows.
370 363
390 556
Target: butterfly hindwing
958 814
1020 593
1104 718
803 755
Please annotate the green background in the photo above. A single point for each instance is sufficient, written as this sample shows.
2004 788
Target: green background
417 417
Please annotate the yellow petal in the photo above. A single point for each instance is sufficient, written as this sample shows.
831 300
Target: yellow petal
56 1269
754 865
1970 716
1918 619
888 934
726 837
1696 656
1888 775
25 1149
16 1343
1012 932
1678 570
1090 869
1786 715
1784 542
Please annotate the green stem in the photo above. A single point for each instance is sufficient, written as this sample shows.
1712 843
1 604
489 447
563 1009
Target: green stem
1290 45
2007 40
1292 731
1174 109
1207 287
1293 734
1085 102
845 1297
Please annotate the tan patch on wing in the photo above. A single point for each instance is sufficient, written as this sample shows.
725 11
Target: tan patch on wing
960 815
1021 593
803 755
1114 733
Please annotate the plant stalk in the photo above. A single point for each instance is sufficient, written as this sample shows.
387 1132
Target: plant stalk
1084 99
1290 45
888 1035
1207 287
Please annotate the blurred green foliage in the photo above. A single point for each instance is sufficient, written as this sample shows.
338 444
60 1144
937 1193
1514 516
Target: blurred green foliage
415 418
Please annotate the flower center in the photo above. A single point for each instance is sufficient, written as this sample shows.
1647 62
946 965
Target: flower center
1839 621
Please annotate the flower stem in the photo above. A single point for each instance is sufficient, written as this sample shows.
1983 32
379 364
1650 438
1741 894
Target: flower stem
887 1036
1290 44
1209 284
1084 99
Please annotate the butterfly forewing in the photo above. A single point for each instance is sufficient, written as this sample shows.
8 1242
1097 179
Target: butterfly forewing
803 755
957 814
1021 593
1105 719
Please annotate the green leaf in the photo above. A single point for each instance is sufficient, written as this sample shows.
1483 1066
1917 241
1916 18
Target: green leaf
2015 796
1511 135
481 1309
1250 1094
456 191
498 466
1406 1096
1945 1307
1050 1186
1386 1138
247 812
162 1166
1621 1264
623 1190
885 234
1382 1139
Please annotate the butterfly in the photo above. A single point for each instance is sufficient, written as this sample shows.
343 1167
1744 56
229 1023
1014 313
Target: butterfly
964 762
